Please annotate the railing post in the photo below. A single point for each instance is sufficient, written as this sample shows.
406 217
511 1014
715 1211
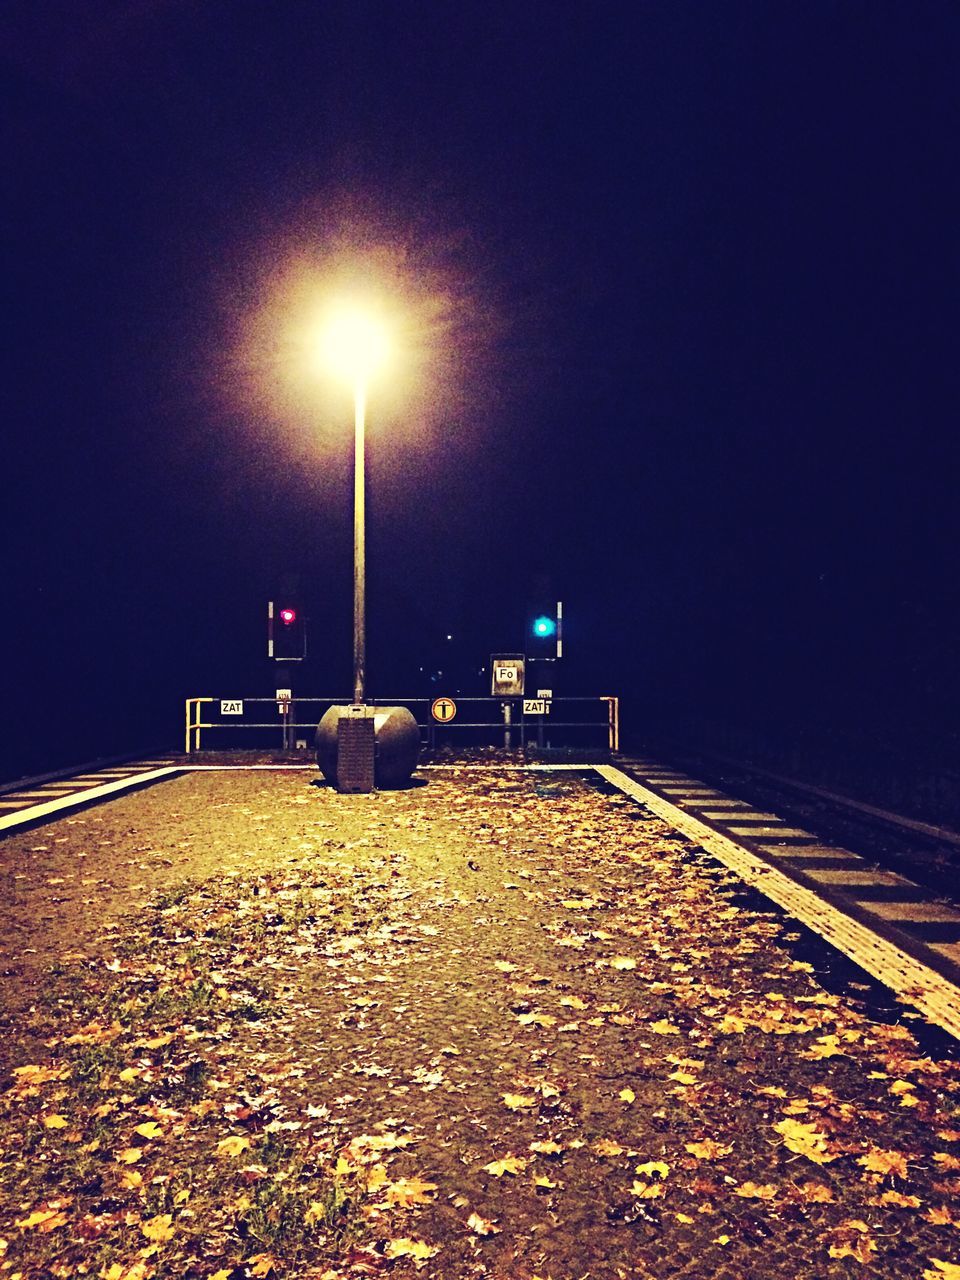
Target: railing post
187 718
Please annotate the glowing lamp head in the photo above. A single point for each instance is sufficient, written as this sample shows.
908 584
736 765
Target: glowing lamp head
288 616
544 627
354 344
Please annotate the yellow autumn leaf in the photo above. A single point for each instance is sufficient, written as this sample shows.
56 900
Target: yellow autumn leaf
756 1190
942 1216
149 1129
724 1239
233 1146
627 1095
129 1155
816 1193
805 1139
405 1247
42 1220
406 1192
682 1077
131 1179
509 1164
877 1160
901 1086
223 1274
261 1265
902 1201
536 1019
944 1271
647 1190
861 1248
157 1042
55 1122
663 1027
946 1161
518 1101
578 904
708 1149
544 1183
504 966
547 1148
607 1147
573 1002
159 1228
623 962
652 1166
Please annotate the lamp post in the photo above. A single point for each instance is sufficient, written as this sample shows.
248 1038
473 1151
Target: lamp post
364 749
359 542
355 347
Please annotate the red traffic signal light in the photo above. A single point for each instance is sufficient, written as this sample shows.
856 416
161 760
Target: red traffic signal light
286 632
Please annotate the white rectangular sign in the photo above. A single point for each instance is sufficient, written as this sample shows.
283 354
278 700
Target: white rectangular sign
534 707
231 707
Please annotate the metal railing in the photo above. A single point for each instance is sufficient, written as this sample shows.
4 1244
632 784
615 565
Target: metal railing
509 723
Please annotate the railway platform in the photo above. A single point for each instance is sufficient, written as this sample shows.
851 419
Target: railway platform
512 1022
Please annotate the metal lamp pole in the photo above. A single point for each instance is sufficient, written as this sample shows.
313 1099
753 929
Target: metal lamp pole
359 546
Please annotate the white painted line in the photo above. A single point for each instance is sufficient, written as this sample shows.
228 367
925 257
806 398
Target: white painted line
24 816
917 984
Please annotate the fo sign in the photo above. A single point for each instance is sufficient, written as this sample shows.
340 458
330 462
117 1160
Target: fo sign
506 671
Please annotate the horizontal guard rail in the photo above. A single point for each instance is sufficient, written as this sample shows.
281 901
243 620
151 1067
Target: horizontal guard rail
197 720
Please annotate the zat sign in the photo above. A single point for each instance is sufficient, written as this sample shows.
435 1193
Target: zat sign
507 675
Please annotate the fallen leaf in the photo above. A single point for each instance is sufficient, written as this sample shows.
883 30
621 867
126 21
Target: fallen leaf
664 1027
902 1201
652 1166
756 1190
482 1226
647 1190
708 1149
544 1183
55 1122
406 1192
149 1130
627 1095
942 1216
129 1155
944 1271
43 1220
233 1146
547 1148
509 1164
536 1019
158 1229
607 1147
805 1139
518 1101
816 1193
623 962
418 1250
877 1160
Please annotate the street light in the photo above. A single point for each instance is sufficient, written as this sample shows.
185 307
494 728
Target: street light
355 346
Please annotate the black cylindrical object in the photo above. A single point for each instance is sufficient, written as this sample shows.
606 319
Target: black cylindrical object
397 738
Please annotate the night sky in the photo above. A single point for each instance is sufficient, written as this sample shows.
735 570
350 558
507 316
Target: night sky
684 279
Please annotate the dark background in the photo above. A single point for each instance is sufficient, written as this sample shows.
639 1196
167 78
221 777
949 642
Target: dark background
698 265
